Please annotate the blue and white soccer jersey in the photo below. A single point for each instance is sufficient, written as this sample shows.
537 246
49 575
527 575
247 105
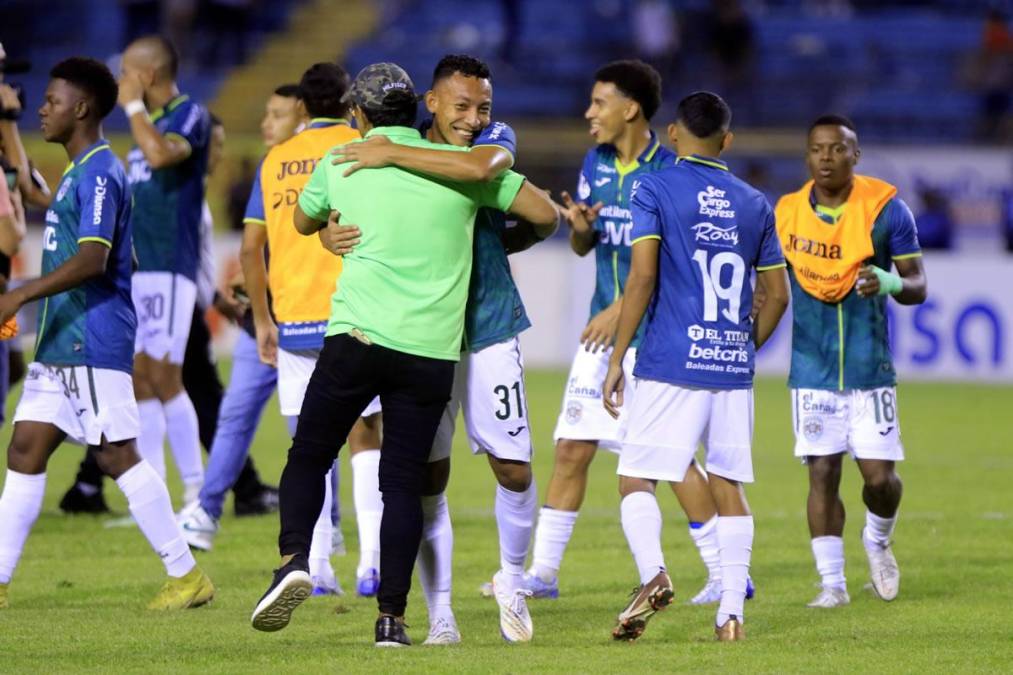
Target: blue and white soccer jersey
167 231
604 179
80 380
694 369
489 378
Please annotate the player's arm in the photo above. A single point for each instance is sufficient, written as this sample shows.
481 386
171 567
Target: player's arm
640 285
773 283
35 193
12 221
482 163
908 286
89 262
160 150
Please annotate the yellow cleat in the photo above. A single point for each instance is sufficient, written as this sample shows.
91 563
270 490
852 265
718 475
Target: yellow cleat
3 596
192 590
730 632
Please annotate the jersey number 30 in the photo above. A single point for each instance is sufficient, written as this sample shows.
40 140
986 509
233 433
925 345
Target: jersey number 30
714 290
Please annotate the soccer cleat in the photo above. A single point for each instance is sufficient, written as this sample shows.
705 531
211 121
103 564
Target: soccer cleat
883 570
540 589
260 503
191 590
514 619
291 585
443 631
830 597
76 501
199 527
368 584
389 632
730 632
4 604
711 592
326 583
645 601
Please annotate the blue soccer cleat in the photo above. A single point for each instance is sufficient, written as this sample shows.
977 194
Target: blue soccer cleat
369 583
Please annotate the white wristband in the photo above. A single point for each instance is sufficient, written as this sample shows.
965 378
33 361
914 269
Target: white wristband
134 107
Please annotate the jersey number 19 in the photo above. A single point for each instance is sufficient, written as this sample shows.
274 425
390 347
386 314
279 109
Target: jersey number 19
714 290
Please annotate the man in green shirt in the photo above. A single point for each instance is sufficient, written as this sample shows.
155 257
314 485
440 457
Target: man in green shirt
396 326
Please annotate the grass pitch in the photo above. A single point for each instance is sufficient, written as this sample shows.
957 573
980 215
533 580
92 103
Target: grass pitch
78 596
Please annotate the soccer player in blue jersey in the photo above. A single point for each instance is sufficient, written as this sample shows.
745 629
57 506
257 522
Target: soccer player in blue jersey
698 234
842 233
79 386
625 96
489 383
166 173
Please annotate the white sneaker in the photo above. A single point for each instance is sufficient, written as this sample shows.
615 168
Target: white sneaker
830 597
199 528
443 631
883 570
709 594
514 620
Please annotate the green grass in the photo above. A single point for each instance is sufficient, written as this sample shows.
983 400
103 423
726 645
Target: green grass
78 596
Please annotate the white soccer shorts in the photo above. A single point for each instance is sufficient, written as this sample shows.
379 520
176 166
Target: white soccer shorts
84 402
667 422
863 422
295 368
489 385
164 304
583 416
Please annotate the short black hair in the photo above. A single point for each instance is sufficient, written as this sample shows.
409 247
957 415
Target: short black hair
704 113
321 88
93 78
400 109
833 121
636 80
466 65
290 90
216 121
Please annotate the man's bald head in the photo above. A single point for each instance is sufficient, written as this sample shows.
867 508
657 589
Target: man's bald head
155 54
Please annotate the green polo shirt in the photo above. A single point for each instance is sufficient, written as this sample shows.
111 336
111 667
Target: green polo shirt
405 285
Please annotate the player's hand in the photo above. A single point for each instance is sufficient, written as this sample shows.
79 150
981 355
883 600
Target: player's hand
372 153
579 215
9 98
267 343
600 330
131 89
339 239
759 298
868 283
231 307
612 390
10 303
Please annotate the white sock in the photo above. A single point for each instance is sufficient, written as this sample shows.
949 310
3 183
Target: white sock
368 507
878 530
706 539
148 499
552 534
735 539
320 545
829 555
20 505
151 440
641 520
184 439
515 518
436 556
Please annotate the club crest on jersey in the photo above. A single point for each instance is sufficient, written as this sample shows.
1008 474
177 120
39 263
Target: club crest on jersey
715 234
713 203
64 186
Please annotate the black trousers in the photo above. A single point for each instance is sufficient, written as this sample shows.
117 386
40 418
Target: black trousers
204 387
414 391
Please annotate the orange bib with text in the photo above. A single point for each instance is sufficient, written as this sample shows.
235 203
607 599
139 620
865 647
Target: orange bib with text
826 258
